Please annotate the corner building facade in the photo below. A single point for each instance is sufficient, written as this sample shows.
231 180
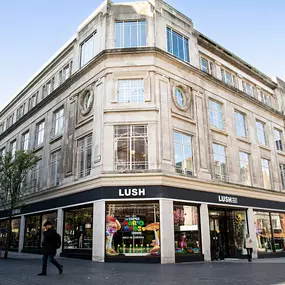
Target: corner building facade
155 144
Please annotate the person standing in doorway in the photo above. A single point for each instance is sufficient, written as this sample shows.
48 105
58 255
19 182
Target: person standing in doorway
249 247
50 244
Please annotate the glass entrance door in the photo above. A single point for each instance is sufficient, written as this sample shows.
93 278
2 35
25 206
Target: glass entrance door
228 229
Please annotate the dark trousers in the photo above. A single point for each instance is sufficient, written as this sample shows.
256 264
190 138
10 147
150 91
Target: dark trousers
249 254
52 260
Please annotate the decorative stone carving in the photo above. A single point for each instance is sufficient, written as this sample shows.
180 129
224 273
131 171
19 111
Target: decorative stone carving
181 97
86 99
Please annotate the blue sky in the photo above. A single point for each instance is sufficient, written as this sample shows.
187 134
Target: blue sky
33 30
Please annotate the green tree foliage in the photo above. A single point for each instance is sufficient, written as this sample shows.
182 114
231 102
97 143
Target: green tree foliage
13 172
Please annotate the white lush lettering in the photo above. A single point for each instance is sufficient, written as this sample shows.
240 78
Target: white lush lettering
133 192
227 199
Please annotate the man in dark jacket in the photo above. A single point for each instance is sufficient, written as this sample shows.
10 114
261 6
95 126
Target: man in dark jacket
49 248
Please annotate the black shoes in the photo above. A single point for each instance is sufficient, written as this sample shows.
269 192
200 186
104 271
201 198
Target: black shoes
42 274
61 269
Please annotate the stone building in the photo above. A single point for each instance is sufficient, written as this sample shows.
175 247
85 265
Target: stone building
155 144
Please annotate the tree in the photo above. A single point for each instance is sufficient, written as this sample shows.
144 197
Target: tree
14 169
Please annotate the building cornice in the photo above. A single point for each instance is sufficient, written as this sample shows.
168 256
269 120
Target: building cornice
234 60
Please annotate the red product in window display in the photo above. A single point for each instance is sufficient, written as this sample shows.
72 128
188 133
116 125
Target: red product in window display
68 227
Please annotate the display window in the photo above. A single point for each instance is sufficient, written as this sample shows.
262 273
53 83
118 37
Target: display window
78 228
278 228
15 231
34 229
186 229
263 231
132 230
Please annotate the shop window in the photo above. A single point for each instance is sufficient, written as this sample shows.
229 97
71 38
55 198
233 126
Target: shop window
131 148
132 230
78 224
34 230
263 231
278 228
3 232
186 229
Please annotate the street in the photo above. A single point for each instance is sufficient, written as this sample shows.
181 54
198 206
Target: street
79 272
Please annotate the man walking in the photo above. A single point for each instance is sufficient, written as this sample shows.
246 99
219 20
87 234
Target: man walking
50 244
248 246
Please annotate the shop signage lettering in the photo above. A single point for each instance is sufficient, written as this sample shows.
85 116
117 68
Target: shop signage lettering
132 192
228 199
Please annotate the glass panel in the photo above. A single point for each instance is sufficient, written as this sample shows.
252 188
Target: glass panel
186 229
15 233
78 224
260 132
177 45
239 231
278 227
216 114
33 232
169 40
3 232
87 50
119 35
179 97
266 173
132 229
263 231
278 140
244 168
204 64
240 124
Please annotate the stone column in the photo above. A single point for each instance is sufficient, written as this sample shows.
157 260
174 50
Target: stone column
166 232
59 227
22 233
252 231
98 250
205 232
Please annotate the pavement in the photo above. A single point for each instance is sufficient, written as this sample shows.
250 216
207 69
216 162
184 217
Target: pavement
22 269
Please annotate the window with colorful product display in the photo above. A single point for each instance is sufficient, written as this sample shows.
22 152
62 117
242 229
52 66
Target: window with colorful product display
186 229
78 231
132 230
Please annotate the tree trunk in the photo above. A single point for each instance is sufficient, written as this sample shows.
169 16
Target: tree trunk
8 240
